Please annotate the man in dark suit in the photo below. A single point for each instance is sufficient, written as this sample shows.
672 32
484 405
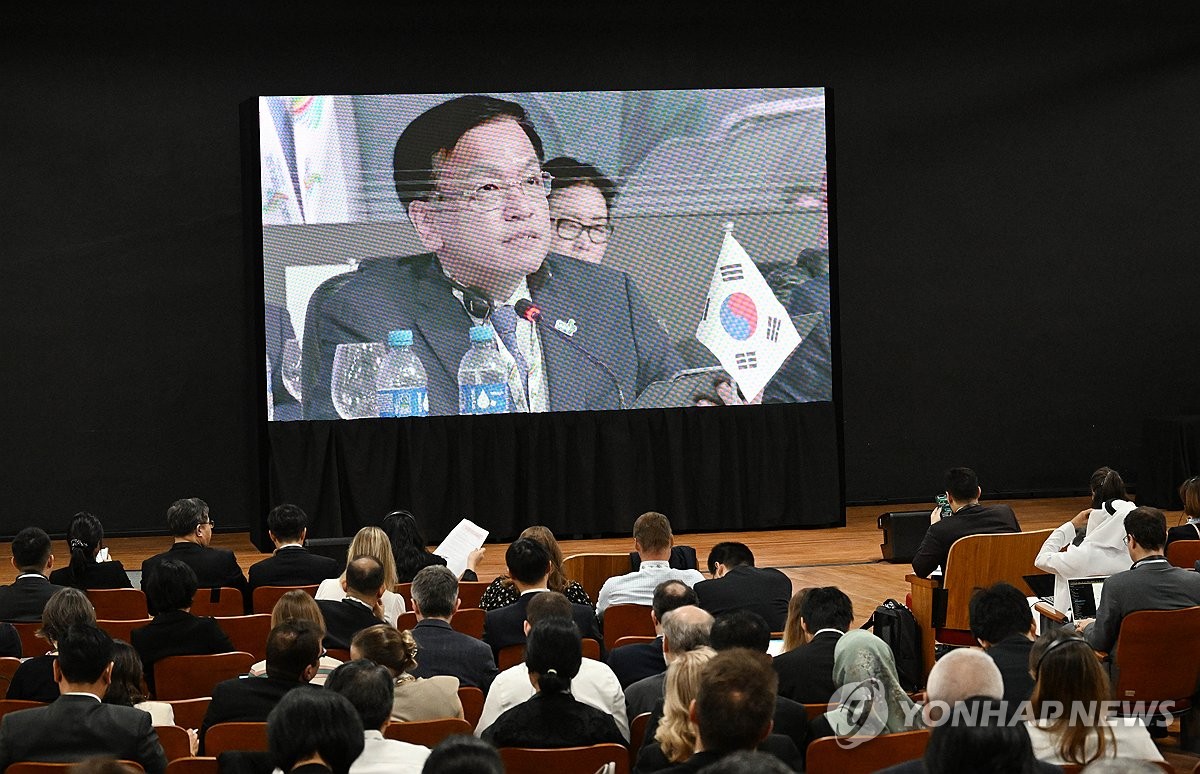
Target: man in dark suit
738 585
443 650
806 673
631 663
77 725
1003 624
292 564
485 219
529 567
684 629
293 657
361 607
967 517
24 599
192 527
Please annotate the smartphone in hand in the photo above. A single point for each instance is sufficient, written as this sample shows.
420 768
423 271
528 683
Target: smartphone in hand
943 502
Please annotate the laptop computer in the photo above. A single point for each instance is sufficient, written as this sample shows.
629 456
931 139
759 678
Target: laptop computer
1042 585
1085 596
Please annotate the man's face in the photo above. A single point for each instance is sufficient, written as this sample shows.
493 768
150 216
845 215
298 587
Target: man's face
489 248
570 208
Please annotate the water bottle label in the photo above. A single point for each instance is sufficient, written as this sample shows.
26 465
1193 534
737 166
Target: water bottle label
410 402
484 398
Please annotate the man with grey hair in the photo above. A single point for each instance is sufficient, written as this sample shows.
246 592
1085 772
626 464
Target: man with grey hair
443 650
191 526
960 675
631 663
683 629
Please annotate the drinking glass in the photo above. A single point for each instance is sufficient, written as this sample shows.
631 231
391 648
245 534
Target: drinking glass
353 383
289 367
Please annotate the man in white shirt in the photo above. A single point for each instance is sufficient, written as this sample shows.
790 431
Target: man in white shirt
595 684
652 539
368 686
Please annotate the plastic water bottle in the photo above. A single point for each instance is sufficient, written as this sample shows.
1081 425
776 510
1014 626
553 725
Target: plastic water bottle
482 376
401 383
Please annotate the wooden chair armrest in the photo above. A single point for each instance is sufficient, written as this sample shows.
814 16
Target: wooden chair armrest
917 581
1054 614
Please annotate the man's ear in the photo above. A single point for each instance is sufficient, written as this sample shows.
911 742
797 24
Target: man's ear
693 716
271 535
345 585
457 605
106 676
309 672
527 627
423 214
50 562
58 676
769 728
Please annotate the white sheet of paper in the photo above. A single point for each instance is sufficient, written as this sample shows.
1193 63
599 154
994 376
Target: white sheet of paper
458 545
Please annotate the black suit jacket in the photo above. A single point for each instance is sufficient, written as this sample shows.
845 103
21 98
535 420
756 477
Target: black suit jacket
1011 655
1182 532
505 626
10 641
292 566
973 520
631 663
806 673
246 700
24 598
444 651
343 620
177 633
214 567
77 727
764 590
95 575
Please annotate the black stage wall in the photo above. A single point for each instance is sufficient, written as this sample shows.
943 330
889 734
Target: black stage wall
1015 228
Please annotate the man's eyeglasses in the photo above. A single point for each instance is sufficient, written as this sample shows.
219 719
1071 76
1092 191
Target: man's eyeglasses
1126 539
571 229
209 523
490 195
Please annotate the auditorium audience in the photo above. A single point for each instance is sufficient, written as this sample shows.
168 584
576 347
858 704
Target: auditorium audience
34 679
1068 675
860 657
1102 551
314 732
793 631
77 724
368 687
361 604
296 605
291 564
413 698
174 631
22 600
503 591
1001 621
445 651
683 630
593 684
87 568
738 585
463 754
631 663
372 542
1189 495
192 526
968 518
652 539
553 718
126 690
580 199
806 672
412 552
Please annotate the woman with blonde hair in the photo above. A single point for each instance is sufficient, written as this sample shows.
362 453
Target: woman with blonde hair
674 739
414 698
793 633
296 605
503 591
372 542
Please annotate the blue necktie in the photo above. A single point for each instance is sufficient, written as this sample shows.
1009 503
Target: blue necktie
504 320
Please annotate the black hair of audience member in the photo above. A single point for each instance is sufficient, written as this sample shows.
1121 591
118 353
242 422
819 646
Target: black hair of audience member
463 754
730 554
292 647
736 701
308 723
546 605
435 590
995 747
171 585
999 612
287 522
740 629
84 652
553 652
962 484
409 549
747 762
85 534
568 172
66 608
827 607
1148 526
102 764
126 686
1106 485
527 561
670 595
364 574
369 688
31 549
438 130
185 515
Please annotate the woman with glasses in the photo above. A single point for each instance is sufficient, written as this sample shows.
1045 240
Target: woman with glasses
580 200
1189 493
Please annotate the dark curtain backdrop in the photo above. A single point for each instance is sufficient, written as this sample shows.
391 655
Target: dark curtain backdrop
1015 231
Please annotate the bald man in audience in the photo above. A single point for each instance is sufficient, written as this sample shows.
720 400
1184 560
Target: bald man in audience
960 675
360 608
683 629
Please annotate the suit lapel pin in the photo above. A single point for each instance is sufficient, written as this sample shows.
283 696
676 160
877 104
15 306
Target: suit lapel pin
569 327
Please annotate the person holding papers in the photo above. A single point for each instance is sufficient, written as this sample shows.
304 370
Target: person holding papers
412 553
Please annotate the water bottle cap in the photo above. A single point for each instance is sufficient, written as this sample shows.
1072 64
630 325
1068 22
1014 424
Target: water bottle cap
481 333
401 338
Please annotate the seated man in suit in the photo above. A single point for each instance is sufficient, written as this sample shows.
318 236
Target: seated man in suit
24 599
652 539
806 672
683 629
292 564
968 518
192 527
368 686
361 607
738 585
77 725
293 658
443 650
529 567
1002 622
635 662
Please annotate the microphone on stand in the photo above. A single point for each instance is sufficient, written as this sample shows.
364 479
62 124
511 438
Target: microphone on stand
531 312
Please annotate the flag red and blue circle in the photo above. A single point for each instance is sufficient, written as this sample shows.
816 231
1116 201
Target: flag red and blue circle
739 316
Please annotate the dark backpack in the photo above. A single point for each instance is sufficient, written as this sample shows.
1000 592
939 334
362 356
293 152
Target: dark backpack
894 624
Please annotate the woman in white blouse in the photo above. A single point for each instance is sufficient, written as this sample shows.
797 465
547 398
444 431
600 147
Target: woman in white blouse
372 542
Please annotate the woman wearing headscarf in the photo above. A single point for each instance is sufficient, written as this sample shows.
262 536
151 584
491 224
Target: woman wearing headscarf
871 699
